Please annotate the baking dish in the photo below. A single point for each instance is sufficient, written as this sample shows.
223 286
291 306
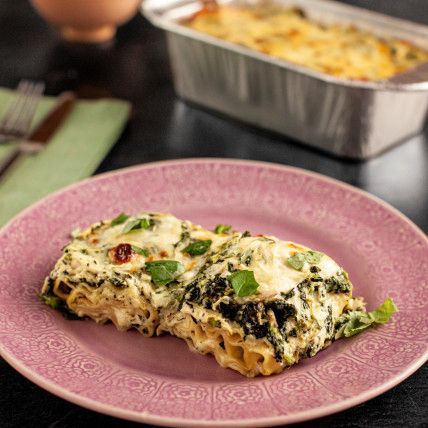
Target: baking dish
349 118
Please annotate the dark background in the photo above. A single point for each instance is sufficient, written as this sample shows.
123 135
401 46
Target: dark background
135 67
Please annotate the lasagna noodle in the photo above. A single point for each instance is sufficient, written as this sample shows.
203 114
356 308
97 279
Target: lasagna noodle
249 357
126 310
92 285
252 356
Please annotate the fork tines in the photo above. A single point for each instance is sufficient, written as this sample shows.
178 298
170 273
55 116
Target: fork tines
16 121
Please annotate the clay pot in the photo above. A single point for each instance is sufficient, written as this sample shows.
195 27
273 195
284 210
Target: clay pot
87 21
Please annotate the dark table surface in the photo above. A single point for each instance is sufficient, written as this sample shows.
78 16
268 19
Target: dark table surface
136 68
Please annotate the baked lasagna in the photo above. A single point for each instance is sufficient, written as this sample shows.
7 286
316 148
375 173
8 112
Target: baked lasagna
340 50
258 304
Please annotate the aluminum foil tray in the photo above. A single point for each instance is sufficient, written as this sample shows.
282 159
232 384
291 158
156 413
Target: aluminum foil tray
348 118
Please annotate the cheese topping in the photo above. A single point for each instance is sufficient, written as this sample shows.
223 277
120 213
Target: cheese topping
257 303
340 50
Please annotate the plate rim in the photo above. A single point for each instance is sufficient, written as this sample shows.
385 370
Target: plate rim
145 417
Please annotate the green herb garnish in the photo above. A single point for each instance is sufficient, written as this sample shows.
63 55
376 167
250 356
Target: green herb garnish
58 304
164 271
141 251
198 247
298 260
244 283
145 223
139 223
222 228
121 218
358 321
213 322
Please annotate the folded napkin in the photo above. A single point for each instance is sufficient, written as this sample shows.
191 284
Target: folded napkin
75 151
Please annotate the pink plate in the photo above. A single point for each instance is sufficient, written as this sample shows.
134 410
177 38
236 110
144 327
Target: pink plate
159 380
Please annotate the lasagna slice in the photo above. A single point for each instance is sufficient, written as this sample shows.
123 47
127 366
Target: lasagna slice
258 304
106 271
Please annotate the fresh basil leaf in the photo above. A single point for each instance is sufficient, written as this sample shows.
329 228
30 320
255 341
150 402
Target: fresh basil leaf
222 228
383 313
145 223
313 257
58 304
141 251
164 271
121 218
298 260
131 225
358 321
139 223
198 247
244 283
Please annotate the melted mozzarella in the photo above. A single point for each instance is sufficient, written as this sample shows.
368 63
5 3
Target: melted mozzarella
266 256
269 258
339 50
106 287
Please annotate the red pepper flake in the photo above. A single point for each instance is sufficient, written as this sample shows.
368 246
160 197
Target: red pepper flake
122 253
163 254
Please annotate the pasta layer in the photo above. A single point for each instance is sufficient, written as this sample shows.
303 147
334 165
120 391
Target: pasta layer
258 304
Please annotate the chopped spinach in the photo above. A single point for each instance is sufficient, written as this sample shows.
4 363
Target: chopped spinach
252 318
192 292
216 288
228 310
282 311
338 284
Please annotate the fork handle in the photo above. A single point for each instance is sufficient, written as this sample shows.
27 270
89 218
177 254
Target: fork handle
23 148
6 163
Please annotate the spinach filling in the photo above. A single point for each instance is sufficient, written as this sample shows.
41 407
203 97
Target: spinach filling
338 284
254 317
282 311
58 304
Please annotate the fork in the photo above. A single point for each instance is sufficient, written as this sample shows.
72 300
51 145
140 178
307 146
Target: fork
16 122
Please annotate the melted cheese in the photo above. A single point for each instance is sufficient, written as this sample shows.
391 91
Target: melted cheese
339 50
96 280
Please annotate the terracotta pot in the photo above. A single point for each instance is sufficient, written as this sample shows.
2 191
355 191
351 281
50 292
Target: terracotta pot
87 21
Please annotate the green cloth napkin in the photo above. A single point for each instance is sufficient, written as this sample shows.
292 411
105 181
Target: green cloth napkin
74 152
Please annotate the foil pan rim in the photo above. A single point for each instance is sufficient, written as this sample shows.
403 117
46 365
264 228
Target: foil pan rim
384 85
